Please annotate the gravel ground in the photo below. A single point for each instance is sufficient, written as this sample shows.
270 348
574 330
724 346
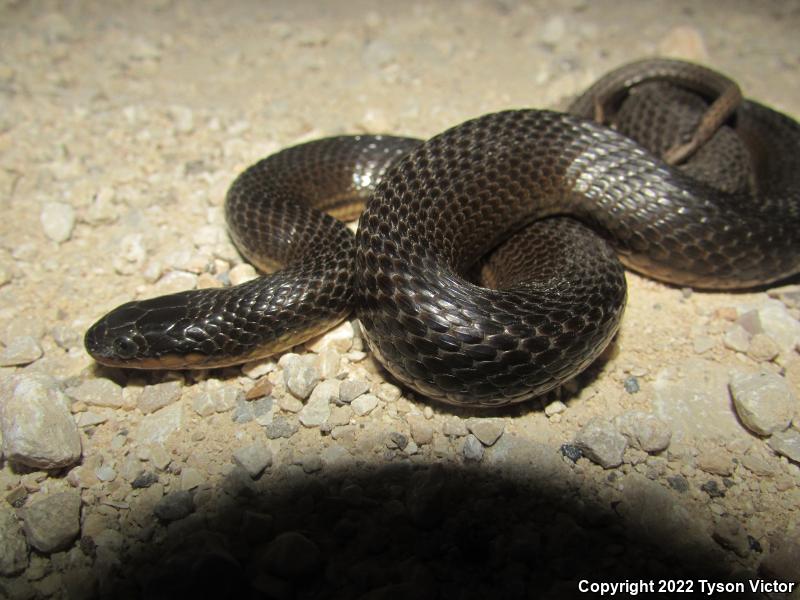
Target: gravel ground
313 475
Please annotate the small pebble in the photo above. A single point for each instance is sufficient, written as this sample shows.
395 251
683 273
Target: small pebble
191 478
472 449
37 427
786 443
339 338
715 462
155 397
644 431
388 392
281 427
455 427
750 322
631 385
176 281
571 452
20 350
364 404
421 430
53 522
711 487
762 348
764 401
602 443
737 338
174 506
99 392
301 379
318 408
106 473
242 273
329 363
350 389
554 408
58 221
488 431
263 387
145 480
158 426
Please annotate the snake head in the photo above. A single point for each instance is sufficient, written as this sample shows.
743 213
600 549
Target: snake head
147 334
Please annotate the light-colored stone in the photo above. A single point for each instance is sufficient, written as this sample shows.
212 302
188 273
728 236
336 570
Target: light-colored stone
472 449
364 404
762 348
786 443
350 389
339 338
155 397
52 523
99 392
737 338
764 401
158 426
318 407
21 350
58 221
254 459
715 461
421 429
37 427
602 443
644 431
488 431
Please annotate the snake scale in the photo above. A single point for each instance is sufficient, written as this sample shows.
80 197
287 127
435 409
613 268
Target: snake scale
484 270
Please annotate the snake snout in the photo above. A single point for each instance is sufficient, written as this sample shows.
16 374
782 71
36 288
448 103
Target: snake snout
115 339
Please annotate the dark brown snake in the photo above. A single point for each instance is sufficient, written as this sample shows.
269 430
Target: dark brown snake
484 268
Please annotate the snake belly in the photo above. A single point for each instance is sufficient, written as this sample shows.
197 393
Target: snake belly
482 270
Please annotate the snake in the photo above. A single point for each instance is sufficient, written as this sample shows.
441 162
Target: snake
488 266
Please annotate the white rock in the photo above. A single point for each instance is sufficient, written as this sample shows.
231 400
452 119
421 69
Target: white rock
37 426
472 449
318 408
644 431
364 404
764 401
242 273
21 350
158 426
787 443
737 338
339 338
58 221
253 459
99 392
53 523
779 325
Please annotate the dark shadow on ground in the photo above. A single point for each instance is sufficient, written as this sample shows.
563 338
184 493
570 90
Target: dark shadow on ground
402 531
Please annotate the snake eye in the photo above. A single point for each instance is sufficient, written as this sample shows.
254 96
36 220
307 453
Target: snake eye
125 347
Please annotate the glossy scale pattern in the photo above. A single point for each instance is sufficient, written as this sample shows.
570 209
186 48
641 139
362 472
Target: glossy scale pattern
543 195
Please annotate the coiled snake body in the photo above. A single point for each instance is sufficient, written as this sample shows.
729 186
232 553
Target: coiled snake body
484 268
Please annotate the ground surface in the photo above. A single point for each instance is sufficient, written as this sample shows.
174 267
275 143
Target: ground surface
121 126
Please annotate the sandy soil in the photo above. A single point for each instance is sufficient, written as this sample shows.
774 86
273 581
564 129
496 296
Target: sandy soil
121 126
